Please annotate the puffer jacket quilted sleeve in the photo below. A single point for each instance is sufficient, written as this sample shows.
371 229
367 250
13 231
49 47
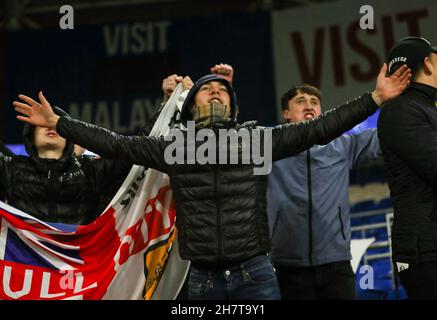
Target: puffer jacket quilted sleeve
290 139
141 150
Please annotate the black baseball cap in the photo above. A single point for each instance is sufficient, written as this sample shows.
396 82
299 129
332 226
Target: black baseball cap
410 51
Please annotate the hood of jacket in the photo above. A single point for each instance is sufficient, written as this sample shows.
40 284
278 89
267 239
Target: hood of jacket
29 141
189 101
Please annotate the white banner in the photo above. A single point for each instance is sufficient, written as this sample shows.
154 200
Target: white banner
323 45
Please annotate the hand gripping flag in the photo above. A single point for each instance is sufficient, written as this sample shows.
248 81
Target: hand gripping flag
129 252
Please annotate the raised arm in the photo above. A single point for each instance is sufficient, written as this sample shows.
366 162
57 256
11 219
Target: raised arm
223 70
290 139
146 151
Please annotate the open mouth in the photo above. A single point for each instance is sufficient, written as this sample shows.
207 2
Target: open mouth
309 115
52 134
215 100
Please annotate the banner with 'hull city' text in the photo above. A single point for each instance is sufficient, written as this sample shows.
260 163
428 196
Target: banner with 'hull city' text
123 254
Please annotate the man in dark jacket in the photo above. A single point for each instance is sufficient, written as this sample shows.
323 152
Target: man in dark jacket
407 129
221 208
52 184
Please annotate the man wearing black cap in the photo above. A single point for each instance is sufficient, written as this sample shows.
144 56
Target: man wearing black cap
221 208
407 129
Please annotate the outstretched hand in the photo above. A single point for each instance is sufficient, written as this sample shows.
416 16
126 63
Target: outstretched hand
390 87
223 70
39 114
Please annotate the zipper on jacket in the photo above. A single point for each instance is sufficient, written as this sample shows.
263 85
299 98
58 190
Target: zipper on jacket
341 223
310 208
219 218
51 204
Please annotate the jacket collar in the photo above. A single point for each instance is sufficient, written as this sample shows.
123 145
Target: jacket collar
429 91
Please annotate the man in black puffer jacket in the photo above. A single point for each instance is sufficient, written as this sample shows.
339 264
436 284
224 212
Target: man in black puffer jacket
221 208
407 130
52 184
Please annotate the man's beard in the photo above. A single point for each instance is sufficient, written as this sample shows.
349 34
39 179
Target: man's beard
213 114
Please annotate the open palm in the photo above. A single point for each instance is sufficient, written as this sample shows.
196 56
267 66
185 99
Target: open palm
39 114
390 87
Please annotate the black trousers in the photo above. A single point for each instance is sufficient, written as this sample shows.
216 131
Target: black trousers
329 281
420 280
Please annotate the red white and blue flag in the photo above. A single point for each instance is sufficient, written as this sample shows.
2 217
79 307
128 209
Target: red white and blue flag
129 252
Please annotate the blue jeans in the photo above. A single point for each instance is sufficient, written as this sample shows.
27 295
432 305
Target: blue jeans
253 279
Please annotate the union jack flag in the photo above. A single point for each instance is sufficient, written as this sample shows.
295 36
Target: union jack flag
123 254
